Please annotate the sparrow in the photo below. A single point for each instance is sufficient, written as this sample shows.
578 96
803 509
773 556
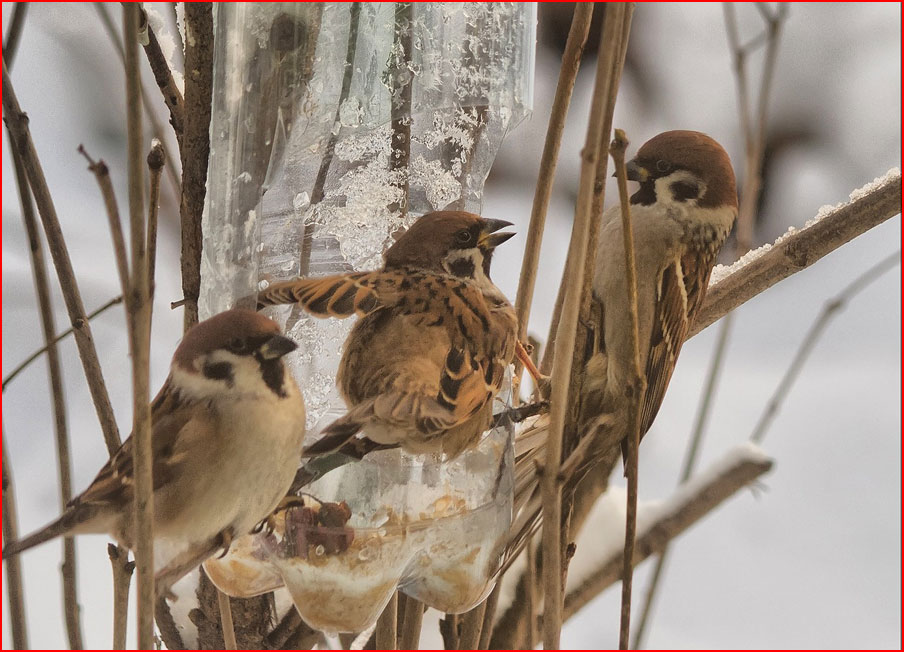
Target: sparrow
227 431
420 368
681 215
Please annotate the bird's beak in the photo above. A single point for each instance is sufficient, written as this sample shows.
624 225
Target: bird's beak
635 172
276 347
489 239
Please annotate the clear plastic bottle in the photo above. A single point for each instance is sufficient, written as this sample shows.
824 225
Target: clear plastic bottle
334 126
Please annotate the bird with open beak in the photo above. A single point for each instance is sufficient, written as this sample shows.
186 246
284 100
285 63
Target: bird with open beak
421 367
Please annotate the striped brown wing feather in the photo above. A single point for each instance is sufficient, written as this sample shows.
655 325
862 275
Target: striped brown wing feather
341 295
115 481
681 291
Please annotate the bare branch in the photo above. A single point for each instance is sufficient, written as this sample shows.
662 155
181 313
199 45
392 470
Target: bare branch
755 148
690 460
763 268
110 28
690 503
138 306
492 602
633 392
102 174
195 148
412 618
34 356
387 625
20 139
172 96
15 594
571 61
829 310
156 160
226 621
616 25
14 33
471 625
122 577
57 395
561 369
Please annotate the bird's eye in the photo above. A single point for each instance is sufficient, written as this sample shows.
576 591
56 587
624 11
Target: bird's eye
662 166
238 346
464 236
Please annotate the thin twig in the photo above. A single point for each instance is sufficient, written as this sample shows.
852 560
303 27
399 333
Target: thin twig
172 96
138 306
110 28
57 395
122 577
15 593
489 616
797 251
471 626
156 160
755 148
412 618
283 630
20 139
829 310
14 33
102 174
448 629
37 354
636 389
195 148
696 500
226 623
387 629
690 460
551 485
571 61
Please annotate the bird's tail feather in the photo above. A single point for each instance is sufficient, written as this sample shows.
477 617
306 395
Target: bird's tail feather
71 518
335 435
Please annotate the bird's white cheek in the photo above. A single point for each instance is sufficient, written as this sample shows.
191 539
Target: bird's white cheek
195 385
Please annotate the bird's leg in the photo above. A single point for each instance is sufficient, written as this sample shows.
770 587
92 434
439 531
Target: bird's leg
520 413
224 540
522 355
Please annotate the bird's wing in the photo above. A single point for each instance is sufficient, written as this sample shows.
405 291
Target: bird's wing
115 482
679 294
341 295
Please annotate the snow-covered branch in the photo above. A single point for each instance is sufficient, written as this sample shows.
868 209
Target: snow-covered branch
832 227
658 523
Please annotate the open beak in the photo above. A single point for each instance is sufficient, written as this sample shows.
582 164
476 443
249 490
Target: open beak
489 239
276 347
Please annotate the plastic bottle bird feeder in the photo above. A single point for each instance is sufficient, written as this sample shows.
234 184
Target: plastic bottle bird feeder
335 125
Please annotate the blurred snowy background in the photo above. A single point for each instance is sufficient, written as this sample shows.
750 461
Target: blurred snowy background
813 561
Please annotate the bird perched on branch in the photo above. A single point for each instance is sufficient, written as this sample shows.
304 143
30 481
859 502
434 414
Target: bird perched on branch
227 430
681 214
421 367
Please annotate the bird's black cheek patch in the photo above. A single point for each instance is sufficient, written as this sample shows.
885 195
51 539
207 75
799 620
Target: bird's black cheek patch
684 190
646 196
219 371
273 372
462 268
